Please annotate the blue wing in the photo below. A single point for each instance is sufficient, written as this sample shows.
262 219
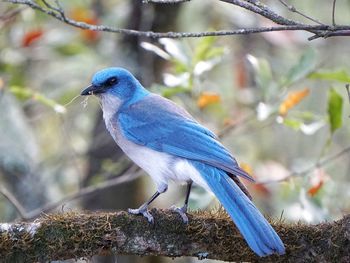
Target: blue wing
161 125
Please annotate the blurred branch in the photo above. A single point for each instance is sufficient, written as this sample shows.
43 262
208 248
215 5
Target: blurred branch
348 91
244 121
10 14
251 5
333 12
93 189
13 200
318 164
164 1
208 235
89 190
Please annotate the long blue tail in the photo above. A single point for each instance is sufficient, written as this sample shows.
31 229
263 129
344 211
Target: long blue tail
258 233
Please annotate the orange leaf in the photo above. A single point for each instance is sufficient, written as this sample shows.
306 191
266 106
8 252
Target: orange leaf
228 122
86 16
2 84
207 98
317 182
241 74
314 189
80 14
259 188
31 36
91 35
247 168
293 98
262 190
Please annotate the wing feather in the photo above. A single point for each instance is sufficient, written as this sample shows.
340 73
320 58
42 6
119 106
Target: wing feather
163 126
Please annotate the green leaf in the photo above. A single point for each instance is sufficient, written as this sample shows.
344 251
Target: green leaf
263 76
179 66
170 92
338 75
21 93
203 47
335 109
304 67
71 49
292 123
205 50
215 52
263 71
306 116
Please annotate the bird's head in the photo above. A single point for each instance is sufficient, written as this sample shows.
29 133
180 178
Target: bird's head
114 82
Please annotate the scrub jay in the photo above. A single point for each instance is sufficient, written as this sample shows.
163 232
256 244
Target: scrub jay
165 141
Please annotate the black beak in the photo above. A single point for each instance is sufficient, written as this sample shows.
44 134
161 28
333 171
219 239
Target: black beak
90 90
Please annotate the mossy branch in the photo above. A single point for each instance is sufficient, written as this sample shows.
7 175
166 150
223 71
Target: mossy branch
208 235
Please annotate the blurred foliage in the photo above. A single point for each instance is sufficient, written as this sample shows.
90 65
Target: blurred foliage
335 110
276 100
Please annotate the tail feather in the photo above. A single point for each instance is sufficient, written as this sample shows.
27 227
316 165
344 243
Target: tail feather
258 233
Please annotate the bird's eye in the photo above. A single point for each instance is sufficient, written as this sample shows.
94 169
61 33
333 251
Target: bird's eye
112 81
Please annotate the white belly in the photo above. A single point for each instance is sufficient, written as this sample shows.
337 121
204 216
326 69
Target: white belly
161 166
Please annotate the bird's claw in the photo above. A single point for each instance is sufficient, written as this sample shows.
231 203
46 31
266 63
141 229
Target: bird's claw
142 211
181 211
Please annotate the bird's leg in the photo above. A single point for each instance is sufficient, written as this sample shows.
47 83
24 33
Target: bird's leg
143 209
183 210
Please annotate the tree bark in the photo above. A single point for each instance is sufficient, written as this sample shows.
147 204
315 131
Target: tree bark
208 235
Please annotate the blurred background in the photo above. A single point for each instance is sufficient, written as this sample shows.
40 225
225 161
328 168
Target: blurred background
277 101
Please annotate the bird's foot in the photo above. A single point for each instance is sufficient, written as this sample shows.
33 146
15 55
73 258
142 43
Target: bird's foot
181 211
142 211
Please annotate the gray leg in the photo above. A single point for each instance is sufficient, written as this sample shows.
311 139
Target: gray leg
183 210
143 209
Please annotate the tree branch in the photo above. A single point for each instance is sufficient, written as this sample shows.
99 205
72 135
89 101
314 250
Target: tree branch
164 1
208 235
258 7
254 6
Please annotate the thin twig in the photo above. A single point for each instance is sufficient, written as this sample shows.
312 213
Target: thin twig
13 200
11 13
348 91
259 8
294 10
93 189
319 164
127 176
270 14
237 124
333 13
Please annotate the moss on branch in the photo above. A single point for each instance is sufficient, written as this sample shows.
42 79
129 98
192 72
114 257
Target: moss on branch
211 235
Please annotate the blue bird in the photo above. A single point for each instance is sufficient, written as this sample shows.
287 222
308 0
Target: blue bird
165 141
